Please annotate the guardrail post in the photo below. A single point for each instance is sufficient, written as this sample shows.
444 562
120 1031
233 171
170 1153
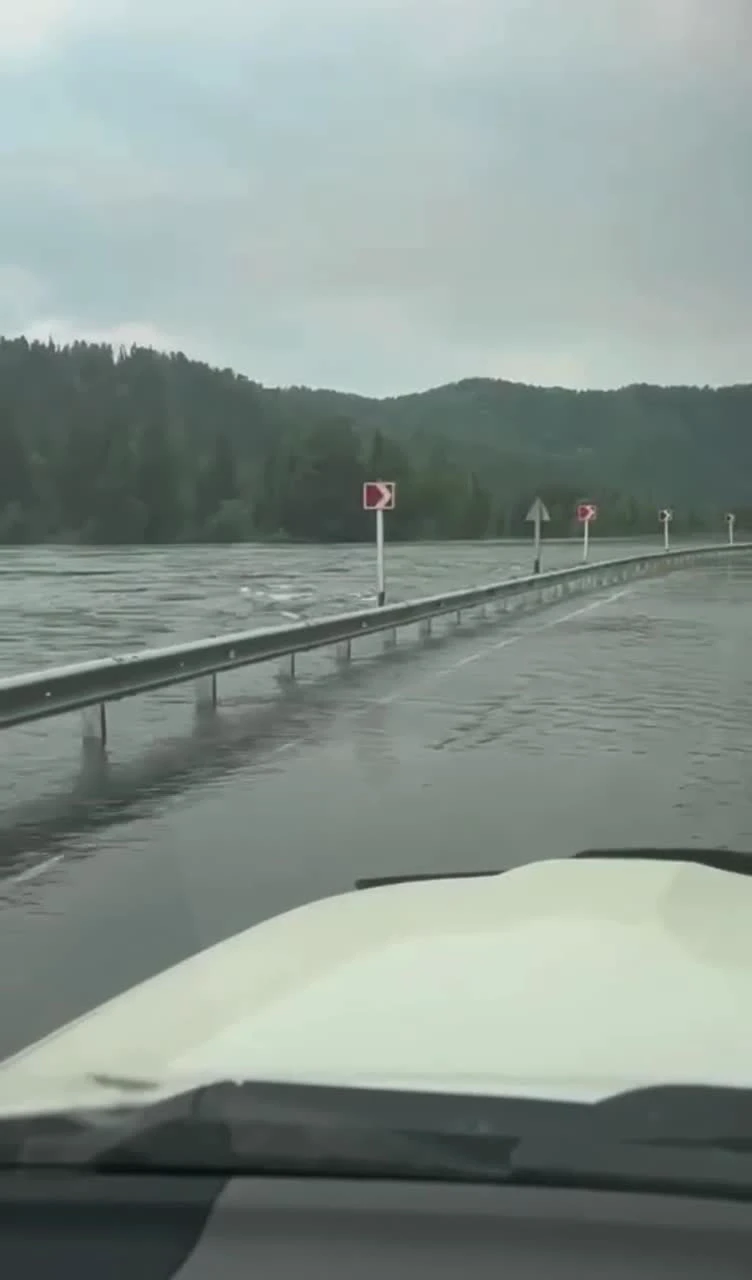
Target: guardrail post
206 692
287 667
343 651
424 628
94 726
390 638
458 618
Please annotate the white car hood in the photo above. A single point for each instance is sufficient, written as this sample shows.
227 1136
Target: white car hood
566 978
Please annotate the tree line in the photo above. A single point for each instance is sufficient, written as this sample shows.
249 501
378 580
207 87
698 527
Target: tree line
134 446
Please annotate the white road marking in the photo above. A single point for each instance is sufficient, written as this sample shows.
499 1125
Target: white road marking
32 872
503 644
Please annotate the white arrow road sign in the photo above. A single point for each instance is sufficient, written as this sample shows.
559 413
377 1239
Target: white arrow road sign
538 511
379 495
536 514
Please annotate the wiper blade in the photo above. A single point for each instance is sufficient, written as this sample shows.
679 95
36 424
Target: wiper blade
689 1118
273 1128
313 1151
696 1115
327 1130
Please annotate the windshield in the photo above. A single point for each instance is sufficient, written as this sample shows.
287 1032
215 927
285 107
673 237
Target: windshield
375 508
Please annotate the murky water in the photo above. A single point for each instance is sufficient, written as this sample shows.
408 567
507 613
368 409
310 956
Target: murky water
617 720
66 605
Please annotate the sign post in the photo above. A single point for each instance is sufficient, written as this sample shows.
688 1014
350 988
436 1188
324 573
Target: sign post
536 515
665 516
379 496
730 521
586 511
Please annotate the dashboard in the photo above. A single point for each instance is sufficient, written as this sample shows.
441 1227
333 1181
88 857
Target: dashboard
117 1227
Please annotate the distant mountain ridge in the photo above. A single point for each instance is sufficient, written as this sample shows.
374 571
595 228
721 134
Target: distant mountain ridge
664 444
139 446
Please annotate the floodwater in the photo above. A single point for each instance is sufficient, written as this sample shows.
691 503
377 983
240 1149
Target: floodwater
617 719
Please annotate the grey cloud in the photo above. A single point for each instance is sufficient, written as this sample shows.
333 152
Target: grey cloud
380 196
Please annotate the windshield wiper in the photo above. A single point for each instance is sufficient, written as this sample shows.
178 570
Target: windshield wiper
269 1127
695 1115
686 1136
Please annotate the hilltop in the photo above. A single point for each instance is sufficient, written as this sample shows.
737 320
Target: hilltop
665 445
139 446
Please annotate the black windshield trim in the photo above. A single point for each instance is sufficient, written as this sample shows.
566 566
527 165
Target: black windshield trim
732 860
735 861
378 882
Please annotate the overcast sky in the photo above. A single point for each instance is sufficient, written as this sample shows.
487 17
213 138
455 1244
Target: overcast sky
384 195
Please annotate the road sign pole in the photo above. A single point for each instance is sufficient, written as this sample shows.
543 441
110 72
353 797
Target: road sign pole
586 511
536 516
379 496
666 524
381 596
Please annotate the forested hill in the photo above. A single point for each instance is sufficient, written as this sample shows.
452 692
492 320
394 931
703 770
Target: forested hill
133 446
681 445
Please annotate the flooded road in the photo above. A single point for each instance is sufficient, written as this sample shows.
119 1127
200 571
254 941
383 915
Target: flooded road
70 604
66 605
617 719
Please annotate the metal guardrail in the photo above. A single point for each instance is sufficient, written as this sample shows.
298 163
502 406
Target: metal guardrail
55 691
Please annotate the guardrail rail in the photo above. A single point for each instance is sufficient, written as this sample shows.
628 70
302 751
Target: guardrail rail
83 686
